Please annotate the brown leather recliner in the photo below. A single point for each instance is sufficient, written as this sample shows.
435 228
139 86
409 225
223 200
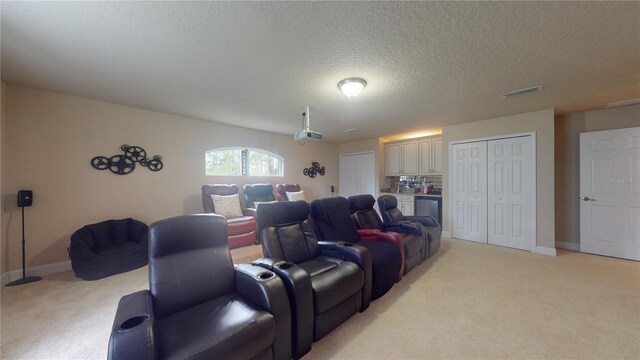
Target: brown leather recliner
242 229
199 305
281 191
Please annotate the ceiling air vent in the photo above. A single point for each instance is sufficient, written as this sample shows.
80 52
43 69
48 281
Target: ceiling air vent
520 92
616 104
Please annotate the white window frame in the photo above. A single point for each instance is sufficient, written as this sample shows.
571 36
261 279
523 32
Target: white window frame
245 154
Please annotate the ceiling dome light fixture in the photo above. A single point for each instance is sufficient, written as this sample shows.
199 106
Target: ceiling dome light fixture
352 87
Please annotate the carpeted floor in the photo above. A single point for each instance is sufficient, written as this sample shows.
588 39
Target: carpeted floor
472 301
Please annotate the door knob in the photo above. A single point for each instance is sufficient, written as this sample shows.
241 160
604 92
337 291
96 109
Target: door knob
586 198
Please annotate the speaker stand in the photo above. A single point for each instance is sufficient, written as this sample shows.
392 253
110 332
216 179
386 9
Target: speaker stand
25 279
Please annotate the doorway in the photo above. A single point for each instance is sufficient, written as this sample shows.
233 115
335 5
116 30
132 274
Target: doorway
610 193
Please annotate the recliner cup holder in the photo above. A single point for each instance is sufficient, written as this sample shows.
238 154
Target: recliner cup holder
347 244
133 322
285 266
266 275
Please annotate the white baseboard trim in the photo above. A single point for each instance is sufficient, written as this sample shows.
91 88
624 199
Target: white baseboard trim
545 251
568 245
42 270
446 234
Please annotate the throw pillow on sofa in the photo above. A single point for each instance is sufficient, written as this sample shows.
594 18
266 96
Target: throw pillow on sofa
295 196
227 205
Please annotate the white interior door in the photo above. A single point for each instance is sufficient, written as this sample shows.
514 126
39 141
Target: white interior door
348 175
366 177
511 190
610 193
469 191
357 174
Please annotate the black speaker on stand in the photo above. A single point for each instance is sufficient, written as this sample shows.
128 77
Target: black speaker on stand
25 198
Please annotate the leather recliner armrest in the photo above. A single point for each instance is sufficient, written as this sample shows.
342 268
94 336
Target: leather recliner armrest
253 212
263 288
298 284
389 237
132 331
424 220
405 228
354 253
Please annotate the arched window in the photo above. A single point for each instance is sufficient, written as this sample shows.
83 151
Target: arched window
236 161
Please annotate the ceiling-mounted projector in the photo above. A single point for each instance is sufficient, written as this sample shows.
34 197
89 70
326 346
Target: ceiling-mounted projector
306 134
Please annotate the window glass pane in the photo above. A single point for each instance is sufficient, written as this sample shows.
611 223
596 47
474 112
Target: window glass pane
223 162
262 163
242 161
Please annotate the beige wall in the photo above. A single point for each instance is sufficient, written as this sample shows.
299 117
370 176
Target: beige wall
540 122
2 163
567 157
49 139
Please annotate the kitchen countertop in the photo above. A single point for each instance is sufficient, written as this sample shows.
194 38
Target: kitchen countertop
410 194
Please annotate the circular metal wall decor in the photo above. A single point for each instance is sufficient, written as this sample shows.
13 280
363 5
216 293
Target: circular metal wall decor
123 164
135 153
314 170
100 162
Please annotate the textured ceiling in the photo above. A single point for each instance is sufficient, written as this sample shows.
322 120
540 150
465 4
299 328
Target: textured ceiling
256 64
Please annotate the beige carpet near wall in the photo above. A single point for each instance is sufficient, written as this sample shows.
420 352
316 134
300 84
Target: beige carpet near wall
473 301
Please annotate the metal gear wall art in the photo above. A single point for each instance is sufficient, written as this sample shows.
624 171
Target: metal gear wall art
123 164
314 170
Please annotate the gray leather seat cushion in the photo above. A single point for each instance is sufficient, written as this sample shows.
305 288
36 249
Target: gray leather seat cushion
333 281
241 330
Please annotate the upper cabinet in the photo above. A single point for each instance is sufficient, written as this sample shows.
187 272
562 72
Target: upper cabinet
402 158
431 156
414 157
393 159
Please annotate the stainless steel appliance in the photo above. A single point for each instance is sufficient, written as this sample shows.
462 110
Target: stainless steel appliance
429 206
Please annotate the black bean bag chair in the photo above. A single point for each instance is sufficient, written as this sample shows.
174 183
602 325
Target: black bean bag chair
108 248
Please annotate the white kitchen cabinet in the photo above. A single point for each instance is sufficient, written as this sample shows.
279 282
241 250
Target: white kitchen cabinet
410 158
431 156
401 158
406 205
393 159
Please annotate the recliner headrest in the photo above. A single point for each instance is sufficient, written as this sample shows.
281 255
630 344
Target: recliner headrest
287 187
201 231
258 189
361 203
280 213
387 202
332 220
219 189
